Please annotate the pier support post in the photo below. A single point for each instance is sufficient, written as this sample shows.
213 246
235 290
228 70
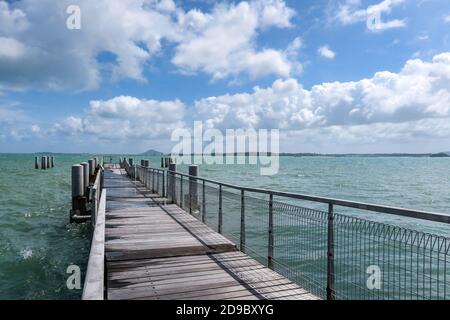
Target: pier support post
171 182
162 162
52 162
36 162
43 163
166 162
86 178
78 199
193 189
91 170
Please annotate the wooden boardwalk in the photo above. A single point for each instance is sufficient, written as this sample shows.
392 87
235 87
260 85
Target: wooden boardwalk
155 250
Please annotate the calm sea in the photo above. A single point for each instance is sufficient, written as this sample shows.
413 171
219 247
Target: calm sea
37 243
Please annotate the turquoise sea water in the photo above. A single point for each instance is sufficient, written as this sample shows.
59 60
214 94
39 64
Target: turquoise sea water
37 243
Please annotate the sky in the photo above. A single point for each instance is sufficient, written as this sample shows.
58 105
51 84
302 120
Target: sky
334 76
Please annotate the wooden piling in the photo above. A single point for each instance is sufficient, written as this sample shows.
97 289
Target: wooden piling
86 178
78 199
43 163
36 162
91 170
77 181
52 162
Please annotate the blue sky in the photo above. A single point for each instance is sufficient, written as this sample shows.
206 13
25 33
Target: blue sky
327 79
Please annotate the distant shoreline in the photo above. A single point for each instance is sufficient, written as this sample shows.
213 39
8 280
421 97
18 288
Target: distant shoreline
331 155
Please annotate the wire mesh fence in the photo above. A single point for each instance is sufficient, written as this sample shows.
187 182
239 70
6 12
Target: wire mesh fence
365 260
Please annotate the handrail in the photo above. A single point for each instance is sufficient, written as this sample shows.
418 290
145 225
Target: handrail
417 214
96 193
93 288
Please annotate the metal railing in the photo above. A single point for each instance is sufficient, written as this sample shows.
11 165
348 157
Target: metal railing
331 254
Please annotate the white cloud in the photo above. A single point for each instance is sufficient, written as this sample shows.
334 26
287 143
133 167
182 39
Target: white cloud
222 43
125 118
11 48
351 12
326 52
389 112
447 19
11 20
39 52
422 136
423 37
419 91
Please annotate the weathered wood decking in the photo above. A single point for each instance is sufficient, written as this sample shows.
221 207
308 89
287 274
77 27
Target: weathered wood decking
155 250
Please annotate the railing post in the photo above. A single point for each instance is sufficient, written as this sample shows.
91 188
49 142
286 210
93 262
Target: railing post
157 183
153 181
164 185
171 181
193 188
242 244
181 192
330 254
220 211
203 202
270 247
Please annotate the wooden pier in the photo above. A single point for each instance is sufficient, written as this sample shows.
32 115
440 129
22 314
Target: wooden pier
145 247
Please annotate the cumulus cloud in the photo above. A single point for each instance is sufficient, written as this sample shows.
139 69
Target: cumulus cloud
11 20
222 43
125 118
326 52
421 136
39 52
351 12
419 91
410 106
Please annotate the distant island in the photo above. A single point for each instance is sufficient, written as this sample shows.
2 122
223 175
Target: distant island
151 153
440 155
